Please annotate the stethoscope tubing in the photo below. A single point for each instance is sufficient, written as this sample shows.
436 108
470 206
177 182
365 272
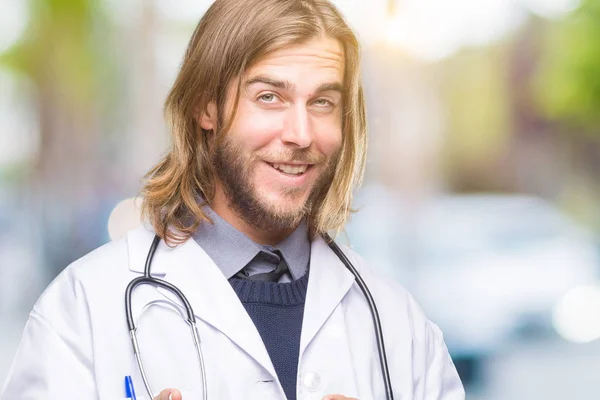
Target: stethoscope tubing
374 313
191 319
147 278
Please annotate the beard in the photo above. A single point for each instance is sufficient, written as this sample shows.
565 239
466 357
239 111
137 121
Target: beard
235 173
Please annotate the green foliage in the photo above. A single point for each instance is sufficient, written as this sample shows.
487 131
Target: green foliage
568 83
63 47
476 96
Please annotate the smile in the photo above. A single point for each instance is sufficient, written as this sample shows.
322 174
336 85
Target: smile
290 169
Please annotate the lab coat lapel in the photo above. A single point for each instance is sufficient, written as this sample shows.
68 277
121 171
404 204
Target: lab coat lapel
329 281
211 296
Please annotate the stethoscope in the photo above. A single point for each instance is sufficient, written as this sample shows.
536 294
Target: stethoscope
191 319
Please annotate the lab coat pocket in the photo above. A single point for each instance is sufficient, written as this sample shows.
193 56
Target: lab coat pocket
186 394
191 394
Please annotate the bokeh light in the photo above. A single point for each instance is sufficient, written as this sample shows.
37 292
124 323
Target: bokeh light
125 216
577 315
13 21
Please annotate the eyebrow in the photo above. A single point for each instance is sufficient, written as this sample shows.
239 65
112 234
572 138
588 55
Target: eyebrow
290 87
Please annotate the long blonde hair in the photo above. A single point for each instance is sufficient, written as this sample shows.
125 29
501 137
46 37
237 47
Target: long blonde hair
230 38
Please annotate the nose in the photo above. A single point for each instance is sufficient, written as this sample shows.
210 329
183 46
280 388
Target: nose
298 131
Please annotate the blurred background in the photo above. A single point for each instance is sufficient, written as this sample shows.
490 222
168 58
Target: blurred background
481 196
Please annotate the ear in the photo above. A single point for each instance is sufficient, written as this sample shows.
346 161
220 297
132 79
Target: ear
207 118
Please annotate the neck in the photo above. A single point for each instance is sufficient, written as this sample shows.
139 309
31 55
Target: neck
220 205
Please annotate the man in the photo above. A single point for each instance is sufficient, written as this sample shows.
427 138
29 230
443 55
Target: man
269 138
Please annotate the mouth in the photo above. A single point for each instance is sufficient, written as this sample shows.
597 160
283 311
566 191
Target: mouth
291 169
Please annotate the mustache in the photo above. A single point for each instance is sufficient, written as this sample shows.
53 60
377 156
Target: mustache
303 156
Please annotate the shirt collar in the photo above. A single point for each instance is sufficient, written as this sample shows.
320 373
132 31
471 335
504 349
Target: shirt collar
296 250
231 250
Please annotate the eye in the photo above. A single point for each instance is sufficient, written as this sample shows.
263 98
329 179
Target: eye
323 103
267 98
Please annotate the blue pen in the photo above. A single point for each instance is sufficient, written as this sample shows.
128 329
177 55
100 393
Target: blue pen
129 392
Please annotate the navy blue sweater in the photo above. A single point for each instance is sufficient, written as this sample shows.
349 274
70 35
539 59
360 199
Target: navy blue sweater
277 310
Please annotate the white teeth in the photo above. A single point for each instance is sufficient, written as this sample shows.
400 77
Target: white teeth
291 169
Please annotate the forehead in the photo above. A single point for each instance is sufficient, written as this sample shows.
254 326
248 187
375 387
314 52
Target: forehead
320 59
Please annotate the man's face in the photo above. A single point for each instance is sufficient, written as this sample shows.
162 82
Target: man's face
285 136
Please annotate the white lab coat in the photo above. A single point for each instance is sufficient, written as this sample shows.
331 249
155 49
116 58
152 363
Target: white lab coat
76 344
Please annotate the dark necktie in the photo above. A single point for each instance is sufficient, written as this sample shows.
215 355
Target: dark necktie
272 276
